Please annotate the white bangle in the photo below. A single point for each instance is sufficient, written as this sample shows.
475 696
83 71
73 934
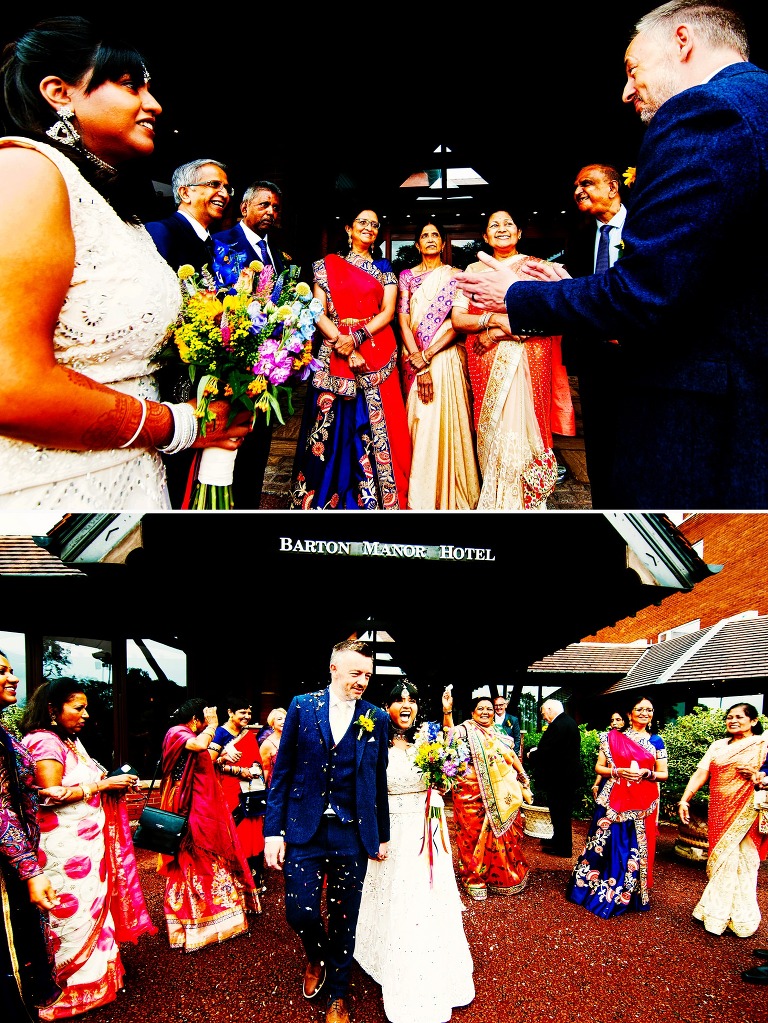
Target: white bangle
184 428
140 427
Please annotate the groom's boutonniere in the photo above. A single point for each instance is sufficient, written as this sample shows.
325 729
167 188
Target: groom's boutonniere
366 722
620 247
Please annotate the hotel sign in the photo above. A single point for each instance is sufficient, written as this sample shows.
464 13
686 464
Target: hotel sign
377 549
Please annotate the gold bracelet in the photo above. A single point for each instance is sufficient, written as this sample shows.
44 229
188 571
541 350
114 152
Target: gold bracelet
87 792
484 318
424 356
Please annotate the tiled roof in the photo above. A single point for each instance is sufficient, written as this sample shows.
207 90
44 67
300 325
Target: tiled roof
22 555
591 658
728 651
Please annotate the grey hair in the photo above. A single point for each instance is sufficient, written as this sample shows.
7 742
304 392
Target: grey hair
555 705
187 175
719 26
261 186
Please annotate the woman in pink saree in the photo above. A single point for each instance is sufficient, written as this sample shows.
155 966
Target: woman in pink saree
209 887
87 850
736 842
433 369
354 450
614 873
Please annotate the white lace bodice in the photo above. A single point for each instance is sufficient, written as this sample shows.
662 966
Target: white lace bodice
121 300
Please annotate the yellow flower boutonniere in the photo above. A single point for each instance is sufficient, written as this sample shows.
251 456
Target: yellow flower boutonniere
629 176
620 247
366 722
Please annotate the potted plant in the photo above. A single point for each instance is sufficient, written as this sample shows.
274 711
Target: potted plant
538 823
687 739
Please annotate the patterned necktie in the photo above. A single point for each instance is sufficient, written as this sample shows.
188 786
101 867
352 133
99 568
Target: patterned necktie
602 263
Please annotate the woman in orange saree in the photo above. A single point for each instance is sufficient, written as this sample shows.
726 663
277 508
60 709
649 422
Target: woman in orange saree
486 806
736 843
614 873
520 391
354 450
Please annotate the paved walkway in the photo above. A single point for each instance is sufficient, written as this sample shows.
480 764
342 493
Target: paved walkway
572 494
537 958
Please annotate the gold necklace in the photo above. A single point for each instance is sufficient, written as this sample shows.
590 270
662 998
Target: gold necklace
438 281
75 749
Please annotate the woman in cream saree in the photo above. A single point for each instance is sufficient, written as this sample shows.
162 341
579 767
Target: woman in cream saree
736 842
435 384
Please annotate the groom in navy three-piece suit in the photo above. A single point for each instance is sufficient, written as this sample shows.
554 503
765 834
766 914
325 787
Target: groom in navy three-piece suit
688 300
328 814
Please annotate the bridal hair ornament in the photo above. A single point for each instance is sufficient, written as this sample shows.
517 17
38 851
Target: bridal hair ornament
64 131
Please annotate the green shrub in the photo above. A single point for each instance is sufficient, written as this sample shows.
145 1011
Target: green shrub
687 739
9 719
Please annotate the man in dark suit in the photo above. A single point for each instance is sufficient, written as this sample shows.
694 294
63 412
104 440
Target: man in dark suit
593 248
327 814
688 300
201 191
505 722
260 209
556 763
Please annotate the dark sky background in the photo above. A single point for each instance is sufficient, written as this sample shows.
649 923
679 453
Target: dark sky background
525 94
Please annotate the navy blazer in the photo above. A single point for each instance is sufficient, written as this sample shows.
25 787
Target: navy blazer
236 239
177 242
688 303
298 788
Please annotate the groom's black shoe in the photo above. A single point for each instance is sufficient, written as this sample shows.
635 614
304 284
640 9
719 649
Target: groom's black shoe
314 978
761 953
757 975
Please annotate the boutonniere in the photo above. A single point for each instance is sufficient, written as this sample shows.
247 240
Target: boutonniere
629 176
620 247
366 722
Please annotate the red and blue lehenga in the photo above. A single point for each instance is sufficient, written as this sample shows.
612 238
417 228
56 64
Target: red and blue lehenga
355 448
614 873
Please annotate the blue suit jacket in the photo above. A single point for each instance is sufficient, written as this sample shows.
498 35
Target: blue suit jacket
297 791
177 242
688 303
235 238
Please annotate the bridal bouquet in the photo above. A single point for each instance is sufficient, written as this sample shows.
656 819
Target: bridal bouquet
246 337
441 761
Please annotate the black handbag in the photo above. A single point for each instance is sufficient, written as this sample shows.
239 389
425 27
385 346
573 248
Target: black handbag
159 830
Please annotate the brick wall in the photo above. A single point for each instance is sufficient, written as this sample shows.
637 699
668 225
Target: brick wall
737 542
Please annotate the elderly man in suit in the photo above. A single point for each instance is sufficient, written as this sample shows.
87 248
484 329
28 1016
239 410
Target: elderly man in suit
506 722
556 763
327 815
201 191
260 209
594 248
688 300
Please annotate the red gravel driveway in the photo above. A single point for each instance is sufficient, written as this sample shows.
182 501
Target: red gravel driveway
537 958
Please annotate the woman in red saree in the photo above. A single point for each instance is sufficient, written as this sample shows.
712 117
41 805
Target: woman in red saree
486 806
354 450
614 873
736 842
209 888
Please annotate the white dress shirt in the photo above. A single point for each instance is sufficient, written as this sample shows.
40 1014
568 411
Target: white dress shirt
254 239
617 223
340 713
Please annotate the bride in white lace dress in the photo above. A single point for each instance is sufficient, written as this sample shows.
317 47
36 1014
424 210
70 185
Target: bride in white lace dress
85 298
410 934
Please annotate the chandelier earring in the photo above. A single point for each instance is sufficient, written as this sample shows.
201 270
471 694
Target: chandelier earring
63 130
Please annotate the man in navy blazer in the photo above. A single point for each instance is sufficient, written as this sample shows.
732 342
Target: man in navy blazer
688 300
260 209
327 814
201 191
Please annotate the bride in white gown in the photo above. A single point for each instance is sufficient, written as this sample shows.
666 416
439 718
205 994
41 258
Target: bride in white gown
410 934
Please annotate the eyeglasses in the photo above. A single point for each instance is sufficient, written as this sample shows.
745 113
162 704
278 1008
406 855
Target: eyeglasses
217 186
373 224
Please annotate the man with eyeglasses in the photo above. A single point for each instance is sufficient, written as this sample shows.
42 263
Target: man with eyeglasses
201 191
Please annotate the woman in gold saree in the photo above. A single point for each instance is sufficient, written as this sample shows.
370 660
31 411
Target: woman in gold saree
433 369
486 806
520 390
736 842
